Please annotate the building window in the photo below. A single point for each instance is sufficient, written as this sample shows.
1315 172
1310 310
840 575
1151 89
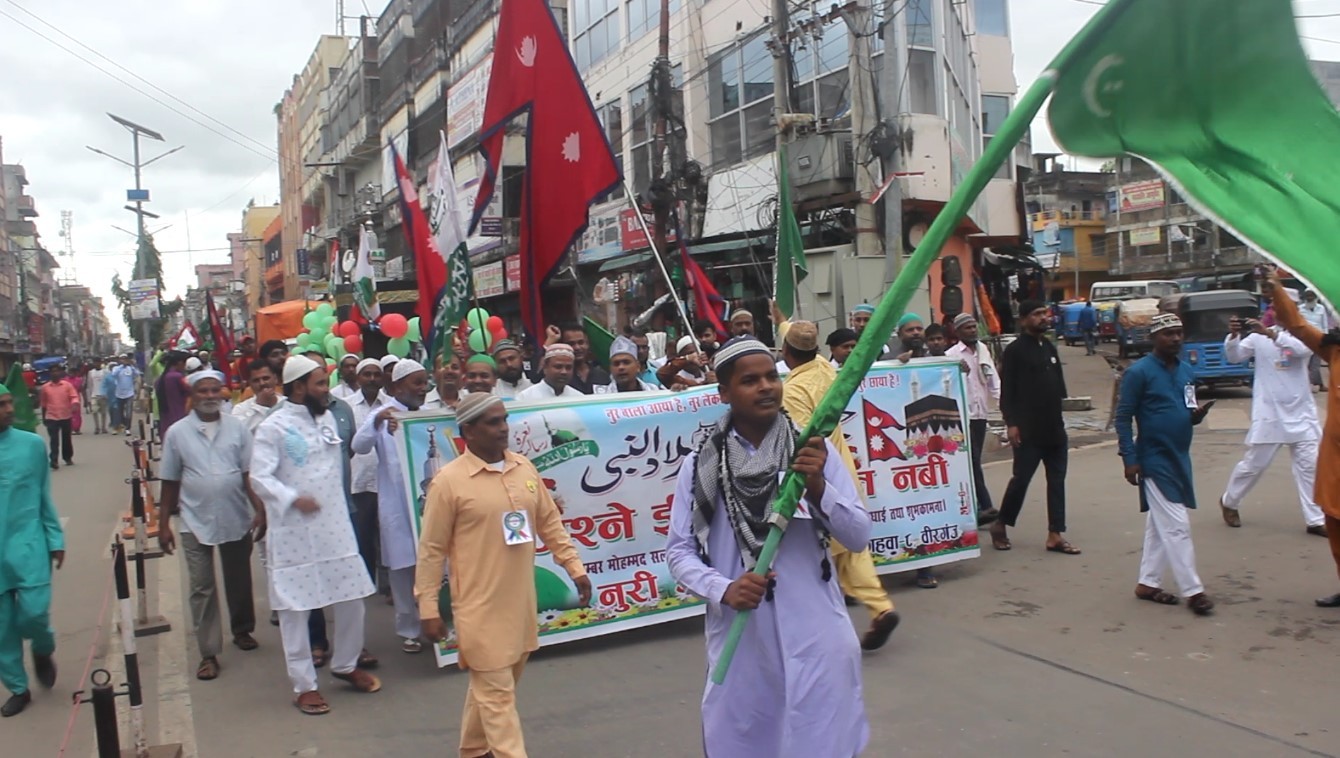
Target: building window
642 127
993 18
994 110
921 82
595 31
740 88
645 16
820 81
920 33
611 117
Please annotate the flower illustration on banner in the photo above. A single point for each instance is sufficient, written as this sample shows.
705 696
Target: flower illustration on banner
549 617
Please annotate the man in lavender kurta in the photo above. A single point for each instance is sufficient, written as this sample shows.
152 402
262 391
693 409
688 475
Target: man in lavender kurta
794 687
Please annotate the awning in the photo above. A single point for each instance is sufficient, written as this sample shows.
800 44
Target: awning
700 248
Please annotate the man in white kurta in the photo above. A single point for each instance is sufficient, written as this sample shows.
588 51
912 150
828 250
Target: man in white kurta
312 554
409 385
557 368
794 687
1283 414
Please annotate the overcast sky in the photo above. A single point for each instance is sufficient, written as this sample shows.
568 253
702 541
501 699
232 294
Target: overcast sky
232 60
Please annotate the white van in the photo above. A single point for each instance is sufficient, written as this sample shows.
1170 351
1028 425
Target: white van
1131 290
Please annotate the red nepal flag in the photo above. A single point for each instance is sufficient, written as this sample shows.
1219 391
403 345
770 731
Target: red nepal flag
879 444
569 160
707 302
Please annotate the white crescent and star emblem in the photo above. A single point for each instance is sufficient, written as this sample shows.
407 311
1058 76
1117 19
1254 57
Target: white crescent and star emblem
1092 91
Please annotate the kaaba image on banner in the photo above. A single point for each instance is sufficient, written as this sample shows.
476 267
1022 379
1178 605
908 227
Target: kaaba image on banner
932 414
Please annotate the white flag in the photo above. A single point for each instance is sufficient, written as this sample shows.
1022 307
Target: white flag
364 279
447 220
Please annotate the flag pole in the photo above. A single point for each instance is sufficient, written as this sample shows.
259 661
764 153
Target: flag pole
660 262
881 325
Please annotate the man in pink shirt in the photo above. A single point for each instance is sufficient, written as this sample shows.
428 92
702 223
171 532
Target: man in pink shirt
58 399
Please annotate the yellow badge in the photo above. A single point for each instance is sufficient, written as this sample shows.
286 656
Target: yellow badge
530 485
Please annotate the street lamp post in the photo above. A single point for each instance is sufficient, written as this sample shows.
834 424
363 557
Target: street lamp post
138 196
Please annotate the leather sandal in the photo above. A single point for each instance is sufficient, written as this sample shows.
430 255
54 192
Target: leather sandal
312 704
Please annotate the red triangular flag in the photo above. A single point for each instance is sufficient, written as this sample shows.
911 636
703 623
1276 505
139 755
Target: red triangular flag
879 445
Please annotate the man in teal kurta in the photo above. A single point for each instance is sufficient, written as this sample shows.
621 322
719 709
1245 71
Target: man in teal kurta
31 540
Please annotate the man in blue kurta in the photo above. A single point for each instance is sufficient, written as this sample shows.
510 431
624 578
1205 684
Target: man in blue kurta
1158 392
794 689
31 540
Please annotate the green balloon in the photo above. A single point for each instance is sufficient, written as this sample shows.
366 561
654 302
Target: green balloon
414 334
399 347
335 347
325 310
311 320
303 339
480 340
328 322
317 337
478 319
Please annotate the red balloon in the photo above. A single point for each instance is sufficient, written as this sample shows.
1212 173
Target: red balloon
354 343
494 324
347 329
394 325
499 334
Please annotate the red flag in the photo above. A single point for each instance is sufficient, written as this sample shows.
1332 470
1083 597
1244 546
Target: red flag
707 302
429 265
332 270
569 160
878 443
223 342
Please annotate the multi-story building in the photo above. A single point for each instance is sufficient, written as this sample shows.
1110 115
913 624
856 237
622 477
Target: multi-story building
1067 213
302 116
957 69
249 246
31 281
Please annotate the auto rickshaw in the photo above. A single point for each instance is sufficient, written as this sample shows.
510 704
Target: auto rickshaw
1205 317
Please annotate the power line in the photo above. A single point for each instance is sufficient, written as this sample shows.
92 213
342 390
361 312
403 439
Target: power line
111 75
66 35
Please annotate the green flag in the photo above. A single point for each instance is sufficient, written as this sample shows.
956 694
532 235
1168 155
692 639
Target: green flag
25 417
1220 98
599 339
791 265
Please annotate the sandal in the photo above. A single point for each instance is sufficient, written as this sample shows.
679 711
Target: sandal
1158 596
312 704
320 656
208 670
245 642
361 680
927 581
367 660
1063 547
1201 604
1000 541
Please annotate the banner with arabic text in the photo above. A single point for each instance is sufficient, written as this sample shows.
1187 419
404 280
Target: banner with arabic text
610 462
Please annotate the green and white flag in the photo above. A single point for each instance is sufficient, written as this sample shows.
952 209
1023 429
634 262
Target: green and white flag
364 279
448 219
1220 98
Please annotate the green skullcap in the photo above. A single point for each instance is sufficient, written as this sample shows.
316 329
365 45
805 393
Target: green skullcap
907 319
4 390
481 358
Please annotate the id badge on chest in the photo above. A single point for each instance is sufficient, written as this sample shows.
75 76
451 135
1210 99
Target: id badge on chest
516 528
1189 393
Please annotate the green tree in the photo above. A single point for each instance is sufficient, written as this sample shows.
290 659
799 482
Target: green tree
147 258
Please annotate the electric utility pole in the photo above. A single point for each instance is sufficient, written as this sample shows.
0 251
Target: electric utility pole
864 119
893 106
138 196
658 96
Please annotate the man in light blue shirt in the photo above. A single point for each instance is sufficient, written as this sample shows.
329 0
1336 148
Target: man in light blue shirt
122 379
206 459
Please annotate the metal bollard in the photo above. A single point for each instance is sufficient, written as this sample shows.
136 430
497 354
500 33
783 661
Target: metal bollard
144 624
128 647
105 727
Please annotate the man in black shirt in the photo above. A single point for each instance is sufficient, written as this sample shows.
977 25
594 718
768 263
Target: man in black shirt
586 373
1031 391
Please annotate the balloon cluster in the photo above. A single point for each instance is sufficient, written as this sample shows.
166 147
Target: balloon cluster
484 330
326 335
400 332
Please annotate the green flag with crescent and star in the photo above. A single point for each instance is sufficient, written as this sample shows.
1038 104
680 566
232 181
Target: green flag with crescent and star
1220 98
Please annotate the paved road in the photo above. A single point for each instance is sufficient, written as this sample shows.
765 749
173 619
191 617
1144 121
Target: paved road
1018 653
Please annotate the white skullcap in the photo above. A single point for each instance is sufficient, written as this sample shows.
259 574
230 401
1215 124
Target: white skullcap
741 313
199 376
346 357
406 367
473 405
365 363
298 366
388 360
193 364
623 346
558 349
736 349
684 342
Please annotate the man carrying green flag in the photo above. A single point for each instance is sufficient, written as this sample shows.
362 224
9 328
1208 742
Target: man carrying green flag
791 265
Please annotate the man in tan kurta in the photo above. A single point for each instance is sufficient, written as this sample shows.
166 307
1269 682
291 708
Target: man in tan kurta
484 511
1327 346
